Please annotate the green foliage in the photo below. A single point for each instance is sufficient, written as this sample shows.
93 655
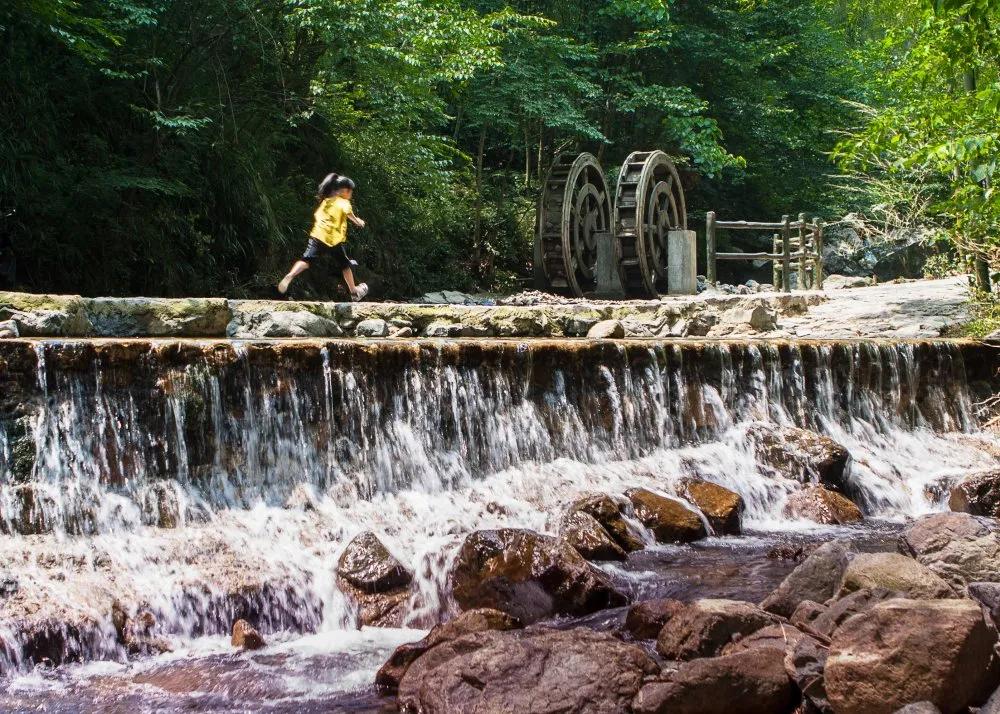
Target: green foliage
173 146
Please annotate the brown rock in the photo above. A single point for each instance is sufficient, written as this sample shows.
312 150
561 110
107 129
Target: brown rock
802 455
644 620
669 520
246 637
379 609
905 651
816 578
959 547
534 670
752 682
806 613
805 663
391 673
781 637
529 576
821 505
368 565
608 512
34 510
723 508
836 612
582 531
160 505
704 627
893 571
978 494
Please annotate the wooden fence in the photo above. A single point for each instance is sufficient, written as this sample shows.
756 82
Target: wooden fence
801 250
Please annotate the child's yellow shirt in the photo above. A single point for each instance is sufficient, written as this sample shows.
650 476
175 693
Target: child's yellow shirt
330 226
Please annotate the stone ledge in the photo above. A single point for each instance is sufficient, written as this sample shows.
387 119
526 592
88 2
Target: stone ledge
76 316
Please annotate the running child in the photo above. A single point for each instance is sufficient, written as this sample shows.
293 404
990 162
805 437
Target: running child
329 234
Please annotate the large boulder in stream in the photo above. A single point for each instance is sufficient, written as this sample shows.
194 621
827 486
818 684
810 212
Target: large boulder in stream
375 581
646 619
821 505
802 455
723 508
978 494
907 651
704 627
534 670
751 682
529 576
893 571
959 547
391 674
815 579
670 520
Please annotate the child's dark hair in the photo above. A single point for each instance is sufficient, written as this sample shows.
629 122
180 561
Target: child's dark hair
333 183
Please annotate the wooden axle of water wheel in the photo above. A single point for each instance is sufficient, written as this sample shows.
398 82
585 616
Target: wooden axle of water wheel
649 203
575 206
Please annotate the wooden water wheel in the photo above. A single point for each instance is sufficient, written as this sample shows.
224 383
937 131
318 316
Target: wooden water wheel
575 206
649 203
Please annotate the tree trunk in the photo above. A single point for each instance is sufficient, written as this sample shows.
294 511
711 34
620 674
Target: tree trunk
982 271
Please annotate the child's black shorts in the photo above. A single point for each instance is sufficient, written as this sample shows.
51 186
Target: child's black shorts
318 249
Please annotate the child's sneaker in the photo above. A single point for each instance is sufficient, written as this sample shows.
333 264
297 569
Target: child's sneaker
360 291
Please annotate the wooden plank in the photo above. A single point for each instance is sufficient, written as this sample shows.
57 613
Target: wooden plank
752 226
786 249
710 255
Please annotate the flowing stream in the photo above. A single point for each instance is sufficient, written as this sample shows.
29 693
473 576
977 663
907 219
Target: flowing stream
205 480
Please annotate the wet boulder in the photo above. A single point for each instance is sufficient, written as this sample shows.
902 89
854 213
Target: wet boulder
582 531
802 455
161 504
905 651
669 520
978 494
529 576
805 662
704 627
374 580
723 508
30 509
781 636
752 682
391 673
645 619
608 511
893 571
959 547
836 612
246 637
822 505
138 631
534 670
816 578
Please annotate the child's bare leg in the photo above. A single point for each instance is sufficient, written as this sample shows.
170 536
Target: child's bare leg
349 279
300 267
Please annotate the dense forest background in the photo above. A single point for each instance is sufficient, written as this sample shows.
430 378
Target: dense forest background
169 147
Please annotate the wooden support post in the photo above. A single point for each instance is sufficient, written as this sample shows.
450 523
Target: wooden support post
818 240
786 254
775 265
710 272
803 261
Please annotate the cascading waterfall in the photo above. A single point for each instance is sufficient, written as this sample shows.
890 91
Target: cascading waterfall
204 479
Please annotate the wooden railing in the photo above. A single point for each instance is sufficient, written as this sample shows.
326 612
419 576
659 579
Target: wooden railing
801 251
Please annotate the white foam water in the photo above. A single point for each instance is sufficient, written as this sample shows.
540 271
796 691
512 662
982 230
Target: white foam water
265 460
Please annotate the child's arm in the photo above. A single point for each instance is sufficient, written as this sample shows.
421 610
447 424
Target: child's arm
355 220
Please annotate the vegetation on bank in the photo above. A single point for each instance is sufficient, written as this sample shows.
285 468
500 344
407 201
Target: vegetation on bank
171 147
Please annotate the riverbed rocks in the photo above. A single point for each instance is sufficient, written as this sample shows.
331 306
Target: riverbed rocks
751 682
978 494
606 330
582 531
246 637
375 580
529 576
533 670
802 455
893 571
816 579
959 547
391 673
723 508
822 505
906 651
704 627
668 519
609 512
644 620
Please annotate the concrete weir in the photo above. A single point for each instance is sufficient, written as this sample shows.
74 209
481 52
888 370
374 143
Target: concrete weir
75 316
